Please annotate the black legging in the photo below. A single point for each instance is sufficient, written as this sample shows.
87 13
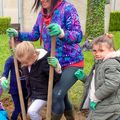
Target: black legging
61 102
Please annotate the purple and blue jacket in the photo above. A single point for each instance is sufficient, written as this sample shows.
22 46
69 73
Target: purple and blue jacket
68 50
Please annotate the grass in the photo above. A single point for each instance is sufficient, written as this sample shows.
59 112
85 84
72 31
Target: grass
76 91
4 51
116 39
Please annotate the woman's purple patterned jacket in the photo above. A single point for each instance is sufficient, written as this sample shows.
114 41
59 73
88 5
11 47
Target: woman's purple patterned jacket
68 50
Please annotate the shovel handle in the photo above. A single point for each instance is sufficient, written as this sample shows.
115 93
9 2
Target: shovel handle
19 83
50 85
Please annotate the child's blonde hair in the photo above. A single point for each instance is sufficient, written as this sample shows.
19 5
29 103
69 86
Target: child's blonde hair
24 50
106 38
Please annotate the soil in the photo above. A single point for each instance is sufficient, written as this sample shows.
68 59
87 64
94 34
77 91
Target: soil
8 105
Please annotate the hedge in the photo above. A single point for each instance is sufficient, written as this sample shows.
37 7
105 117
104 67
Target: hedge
95 18
114 24
4 24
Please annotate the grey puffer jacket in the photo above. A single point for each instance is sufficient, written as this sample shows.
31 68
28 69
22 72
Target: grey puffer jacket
107 90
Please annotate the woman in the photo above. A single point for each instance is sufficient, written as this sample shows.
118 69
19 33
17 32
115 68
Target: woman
58 18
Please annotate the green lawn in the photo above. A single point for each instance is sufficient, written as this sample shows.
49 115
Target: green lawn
4 51
76 91
116 39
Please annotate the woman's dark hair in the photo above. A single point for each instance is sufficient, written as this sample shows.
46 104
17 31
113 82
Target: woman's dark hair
37 4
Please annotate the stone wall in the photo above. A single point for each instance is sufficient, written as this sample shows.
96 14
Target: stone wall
10 8
106 18
117 5
29 15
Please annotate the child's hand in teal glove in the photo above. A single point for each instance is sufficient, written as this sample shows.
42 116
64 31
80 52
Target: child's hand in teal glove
79 74
53 61
11 32
55 30
4 83
93 105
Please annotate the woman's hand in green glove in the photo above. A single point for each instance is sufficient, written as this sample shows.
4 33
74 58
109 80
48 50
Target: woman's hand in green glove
11 32
55 30
79 74
53 61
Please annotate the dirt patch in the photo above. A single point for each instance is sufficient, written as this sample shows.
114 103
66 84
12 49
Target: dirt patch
8 104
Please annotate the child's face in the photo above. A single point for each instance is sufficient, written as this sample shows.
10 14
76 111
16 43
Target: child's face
28 61
101 50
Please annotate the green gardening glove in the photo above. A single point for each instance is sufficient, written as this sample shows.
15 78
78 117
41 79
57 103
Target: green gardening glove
54 29
53 61
4 83
79 74
93 105
11 32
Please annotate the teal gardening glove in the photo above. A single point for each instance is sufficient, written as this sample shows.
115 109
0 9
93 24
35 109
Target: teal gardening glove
53 61
54 29
93 105
11 32
4 83
79 74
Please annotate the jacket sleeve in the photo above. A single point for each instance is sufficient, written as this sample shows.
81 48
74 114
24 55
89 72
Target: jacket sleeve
31 36
111 82
7 67
73 32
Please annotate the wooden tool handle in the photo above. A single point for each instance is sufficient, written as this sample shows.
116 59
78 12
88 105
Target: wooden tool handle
51 77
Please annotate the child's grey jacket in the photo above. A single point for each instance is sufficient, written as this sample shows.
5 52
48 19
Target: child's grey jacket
107 89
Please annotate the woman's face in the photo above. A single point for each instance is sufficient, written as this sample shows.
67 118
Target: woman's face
46 4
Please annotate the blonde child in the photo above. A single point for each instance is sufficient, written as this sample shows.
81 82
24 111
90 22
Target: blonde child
37 61
102 91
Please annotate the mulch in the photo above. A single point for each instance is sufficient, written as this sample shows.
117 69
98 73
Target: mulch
8 105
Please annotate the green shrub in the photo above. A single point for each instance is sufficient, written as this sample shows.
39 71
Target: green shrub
4 24
95 18
114 24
